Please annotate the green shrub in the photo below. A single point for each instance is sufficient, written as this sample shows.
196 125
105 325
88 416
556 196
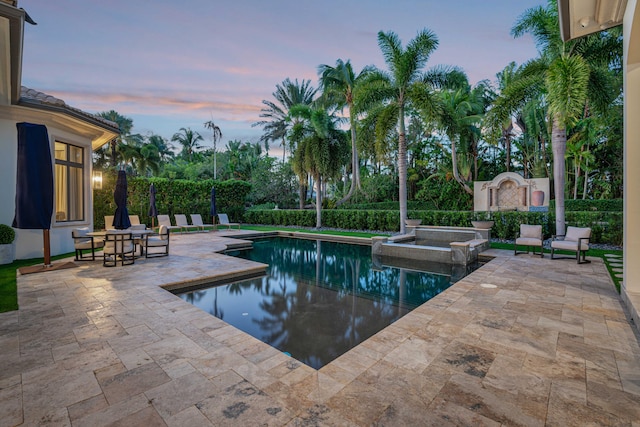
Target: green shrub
605 205
606 226
173 196
7 234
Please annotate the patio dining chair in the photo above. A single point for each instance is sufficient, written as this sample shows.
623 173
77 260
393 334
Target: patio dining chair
82 242
118 246
161 241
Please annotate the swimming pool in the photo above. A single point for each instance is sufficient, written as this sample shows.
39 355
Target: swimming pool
319 299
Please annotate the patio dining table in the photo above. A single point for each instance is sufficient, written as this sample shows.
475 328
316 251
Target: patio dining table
137 235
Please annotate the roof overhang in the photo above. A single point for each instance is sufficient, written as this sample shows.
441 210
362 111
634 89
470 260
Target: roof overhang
579 18
16 19
106 131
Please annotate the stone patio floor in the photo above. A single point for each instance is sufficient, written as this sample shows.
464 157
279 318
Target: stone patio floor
550 344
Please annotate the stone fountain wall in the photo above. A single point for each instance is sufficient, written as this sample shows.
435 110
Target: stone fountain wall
509 191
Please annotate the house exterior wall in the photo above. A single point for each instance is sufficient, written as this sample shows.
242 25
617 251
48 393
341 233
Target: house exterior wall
631 39
29 243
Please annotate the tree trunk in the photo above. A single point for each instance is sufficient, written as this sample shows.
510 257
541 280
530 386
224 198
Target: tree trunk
318 180
559 147
355 162
456 174
114 144
402 170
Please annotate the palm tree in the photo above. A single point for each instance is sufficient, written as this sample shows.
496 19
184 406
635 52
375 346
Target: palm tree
217 136
164 148
458 116
321 149
568 75
402 86
125 124
189 141
339 85
276 114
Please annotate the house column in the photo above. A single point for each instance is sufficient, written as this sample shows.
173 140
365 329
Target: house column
631 39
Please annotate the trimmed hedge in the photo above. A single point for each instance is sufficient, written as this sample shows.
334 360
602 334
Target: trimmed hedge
606 226
172 197
610 205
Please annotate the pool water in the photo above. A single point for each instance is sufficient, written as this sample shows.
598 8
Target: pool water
319 299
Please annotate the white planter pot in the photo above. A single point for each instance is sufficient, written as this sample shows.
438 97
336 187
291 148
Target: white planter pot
482 224
7 253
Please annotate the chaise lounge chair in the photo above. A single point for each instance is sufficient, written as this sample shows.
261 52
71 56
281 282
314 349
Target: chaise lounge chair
166 221
224 220
576 240
196 220
181 221
531 237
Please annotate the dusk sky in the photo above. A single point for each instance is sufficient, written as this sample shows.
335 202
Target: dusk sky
172 64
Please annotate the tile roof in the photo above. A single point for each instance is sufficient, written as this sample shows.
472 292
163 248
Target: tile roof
34 98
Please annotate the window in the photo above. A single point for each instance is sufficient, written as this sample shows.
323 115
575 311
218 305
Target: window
69 175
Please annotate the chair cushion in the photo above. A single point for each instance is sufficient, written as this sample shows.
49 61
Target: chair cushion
531 231
156 241
569 245
528 241
137 227
86 244
575 233
80 232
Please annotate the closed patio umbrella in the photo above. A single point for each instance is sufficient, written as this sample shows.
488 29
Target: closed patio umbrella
212 209
34 182
153 211
121 217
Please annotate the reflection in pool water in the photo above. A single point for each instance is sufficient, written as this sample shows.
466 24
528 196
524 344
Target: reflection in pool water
319 299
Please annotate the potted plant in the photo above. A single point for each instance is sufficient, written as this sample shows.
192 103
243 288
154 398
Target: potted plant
482 219
7 250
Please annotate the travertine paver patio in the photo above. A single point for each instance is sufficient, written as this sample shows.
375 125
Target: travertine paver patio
548 345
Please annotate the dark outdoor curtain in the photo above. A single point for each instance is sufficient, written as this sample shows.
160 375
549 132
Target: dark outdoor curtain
34 180
212 209
121 216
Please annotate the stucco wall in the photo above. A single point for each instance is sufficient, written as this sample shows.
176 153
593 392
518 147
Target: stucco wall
631 40
484 190
29 243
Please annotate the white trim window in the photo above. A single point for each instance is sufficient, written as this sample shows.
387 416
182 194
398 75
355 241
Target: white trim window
69 182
